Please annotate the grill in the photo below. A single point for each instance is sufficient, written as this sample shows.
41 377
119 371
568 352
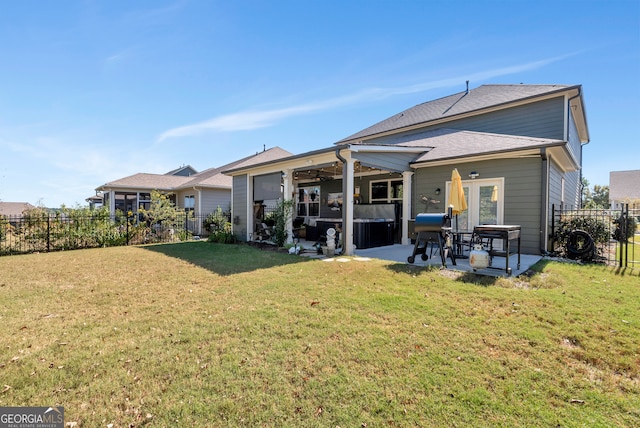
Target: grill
431 230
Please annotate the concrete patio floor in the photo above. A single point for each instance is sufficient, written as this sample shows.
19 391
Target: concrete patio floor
399 253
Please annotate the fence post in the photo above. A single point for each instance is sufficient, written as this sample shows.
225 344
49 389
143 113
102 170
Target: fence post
127 221
48 233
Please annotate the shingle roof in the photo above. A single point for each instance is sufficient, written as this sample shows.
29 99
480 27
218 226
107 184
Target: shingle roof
482 97
272 154
443 144
14 209
211 177
148 181
215 178
624 185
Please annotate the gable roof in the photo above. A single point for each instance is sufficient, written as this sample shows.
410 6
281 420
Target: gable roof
14 209
210 178
185 170
624 185
447 144
462 103
148 181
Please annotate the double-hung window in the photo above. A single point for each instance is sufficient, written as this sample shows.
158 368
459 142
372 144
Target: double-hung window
189 202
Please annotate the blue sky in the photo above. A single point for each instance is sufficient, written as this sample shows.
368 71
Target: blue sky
92 91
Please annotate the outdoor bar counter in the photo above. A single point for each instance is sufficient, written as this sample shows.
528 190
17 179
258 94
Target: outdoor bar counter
503 232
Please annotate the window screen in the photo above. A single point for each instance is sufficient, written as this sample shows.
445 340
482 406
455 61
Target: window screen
266 187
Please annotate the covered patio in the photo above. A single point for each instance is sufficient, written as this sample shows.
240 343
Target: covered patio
400 252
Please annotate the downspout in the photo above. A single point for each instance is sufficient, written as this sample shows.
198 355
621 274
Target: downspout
544 195
199 200
199 223
341 159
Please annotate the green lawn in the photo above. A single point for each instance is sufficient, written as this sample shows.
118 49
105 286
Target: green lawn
199 334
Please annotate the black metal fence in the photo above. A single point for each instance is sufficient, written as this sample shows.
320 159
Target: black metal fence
597 235
48 232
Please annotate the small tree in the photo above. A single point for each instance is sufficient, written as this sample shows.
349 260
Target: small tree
161 209
600 196
282 215
162 215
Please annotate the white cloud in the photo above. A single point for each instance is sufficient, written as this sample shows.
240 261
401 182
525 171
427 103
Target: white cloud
237 121
255 119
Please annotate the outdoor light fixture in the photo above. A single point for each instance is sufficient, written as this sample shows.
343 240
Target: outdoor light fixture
438 191
473 174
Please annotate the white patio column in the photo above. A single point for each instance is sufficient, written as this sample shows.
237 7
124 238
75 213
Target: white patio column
407 192
251 220
112 202
287 191
347 205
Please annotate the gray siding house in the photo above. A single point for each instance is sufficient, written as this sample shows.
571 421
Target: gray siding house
518 149
624 188
201 192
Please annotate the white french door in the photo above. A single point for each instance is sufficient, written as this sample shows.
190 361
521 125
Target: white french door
485 203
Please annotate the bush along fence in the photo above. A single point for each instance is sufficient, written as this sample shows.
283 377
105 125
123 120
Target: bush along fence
41 231
597 235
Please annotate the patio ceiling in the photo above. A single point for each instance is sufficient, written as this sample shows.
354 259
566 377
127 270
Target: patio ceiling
333 171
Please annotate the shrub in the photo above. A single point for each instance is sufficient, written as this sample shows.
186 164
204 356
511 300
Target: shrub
216 221
219 227
4 226
568 242
631 228
281 215
223 237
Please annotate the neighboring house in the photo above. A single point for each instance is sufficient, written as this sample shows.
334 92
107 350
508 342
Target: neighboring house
624 188
518 149
200 192
13 211
95 201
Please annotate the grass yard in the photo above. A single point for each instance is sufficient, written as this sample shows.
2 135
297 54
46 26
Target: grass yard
199 334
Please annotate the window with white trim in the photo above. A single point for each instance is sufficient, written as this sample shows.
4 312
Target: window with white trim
385 191
189 203
485 203
308 201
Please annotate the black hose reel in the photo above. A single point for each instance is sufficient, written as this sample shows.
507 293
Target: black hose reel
580 246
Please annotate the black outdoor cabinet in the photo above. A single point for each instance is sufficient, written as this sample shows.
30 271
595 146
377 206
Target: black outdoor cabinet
366 233
373 233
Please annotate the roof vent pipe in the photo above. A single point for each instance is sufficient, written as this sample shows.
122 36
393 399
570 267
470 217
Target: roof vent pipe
467 87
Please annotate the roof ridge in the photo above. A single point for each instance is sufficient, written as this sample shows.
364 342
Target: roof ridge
449 107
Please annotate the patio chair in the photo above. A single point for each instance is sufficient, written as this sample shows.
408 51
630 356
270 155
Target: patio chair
263 232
